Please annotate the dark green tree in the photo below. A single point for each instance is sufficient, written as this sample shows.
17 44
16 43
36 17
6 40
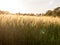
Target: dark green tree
49 13
57 11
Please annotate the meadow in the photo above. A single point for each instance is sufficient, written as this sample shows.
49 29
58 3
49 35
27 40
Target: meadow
29 30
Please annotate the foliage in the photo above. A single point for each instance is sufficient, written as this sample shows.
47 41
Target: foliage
55 12
4 12
49 12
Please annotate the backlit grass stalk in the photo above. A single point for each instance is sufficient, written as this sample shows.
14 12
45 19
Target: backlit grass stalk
29 30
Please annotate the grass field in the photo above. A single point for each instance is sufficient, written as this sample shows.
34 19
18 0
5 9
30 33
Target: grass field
29 30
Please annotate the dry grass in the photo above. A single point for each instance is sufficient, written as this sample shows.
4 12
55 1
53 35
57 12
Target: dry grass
29 30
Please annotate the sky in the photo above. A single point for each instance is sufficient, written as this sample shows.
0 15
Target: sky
28 6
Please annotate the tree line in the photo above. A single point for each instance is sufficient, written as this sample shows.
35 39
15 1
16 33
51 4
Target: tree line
55 12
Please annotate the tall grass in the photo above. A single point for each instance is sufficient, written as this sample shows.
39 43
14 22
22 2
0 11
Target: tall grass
29 30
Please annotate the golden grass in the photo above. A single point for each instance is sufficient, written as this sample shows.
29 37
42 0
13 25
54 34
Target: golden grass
33 19
31 30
